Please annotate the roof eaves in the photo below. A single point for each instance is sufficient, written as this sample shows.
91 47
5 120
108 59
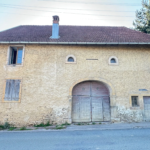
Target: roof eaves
123 43
77 43
112 43
84 43
143 43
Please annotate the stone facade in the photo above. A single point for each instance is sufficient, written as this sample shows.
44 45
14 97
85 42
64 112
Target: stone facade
47 81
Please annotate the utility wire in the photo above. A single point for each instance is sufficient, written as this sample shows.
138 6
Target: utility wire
62 12
100 3
63 8
68 14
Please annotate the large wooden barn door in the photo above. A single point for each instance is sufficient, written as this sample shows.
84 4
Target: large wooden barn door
90 102
146 108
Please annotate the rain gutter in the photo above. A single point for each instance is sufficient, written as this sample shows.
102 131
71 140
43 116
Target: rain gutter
79 43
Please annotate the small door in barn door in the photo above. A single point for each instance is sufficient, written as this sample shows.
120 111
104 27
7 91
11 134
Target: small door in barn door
81 109
97 109
146 108
106 109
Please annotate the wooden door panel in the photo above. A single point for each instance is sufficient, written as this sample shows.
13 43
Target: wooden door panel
75 109
97 109
85 109
99 89
82 89
81 109
106 108
146 108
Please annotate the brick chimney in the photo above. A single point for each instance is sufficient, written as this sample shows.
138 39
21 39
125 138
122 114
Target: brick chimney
55 28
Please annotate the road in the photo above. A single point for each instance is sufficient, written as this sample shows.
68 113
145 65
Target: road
127 139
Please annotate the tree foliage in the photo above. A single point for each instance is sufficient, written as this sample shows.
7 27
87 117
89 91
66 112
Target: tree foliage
142 21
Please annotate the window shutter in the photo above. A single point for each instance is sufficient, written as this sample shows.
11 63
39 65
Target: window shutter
12 56
12 90
19 56
8 90
16 89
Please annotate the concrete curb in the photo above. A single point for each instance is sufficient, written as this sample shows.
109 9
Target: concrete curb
117 126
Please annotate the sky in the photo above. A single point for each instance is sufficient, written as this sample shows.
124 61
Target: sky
71 12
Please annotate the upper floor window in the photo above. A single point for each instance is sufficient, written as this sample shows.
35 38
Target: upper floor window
15 55
113 60
70 59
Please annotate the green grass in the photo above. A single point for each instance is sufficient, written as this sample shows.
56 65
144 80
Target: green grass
43 125
12 128
79 124
23 128
66 124
59 127
5 126
93 123
2 127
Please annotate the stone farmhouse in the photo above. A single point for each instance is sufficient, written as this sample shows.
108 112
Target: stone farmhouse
74 74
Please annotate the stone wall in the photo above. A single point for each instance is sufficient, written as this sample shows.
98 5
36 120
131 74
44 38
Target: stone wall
47 81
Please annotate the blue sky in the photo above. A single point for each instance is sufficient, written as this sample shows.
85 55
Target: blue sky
71 12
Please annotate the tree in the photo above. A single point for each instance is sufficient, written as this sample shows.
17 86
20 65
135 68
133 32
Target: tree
142 21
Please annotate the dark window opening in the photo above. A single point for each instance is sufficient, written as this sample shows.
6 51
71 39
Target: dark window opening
16 54
70 59
135 101
12 90
113 60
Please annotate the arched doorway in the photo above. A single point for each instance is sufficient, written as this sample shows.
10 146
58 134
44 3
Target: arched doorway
91 102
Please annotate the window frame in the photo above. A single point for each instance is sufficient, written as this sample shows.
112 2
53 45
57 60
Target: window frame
67 62
4 88
9 55
113 64
138 101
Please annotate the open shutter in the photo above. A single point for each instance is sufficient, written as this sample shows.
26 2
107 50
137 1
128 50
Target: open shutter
19 56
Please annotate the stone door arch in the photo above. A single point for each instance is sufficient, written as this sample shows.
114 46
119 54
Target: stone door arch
90 102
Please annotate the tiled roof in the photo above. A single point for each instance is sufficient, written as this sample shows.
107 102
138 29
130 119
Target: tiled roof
73 34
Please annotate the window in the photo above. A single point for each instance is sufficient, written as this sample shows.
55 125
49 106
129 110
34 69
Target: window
70 59
16 54
135 102
113 60
12 90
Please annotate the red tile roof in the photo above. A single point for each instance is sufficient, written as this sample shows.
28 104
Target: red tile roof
73 34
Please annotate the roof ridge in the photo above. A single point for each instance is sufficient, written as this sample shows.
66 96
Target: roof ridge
77 26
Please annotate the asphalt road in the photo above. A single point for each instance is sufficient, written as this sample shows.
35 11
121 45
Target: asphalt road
131 139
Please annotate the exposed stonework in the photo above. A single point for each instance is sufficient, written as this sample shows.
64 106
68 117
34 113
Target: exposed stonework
128 115
47 80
